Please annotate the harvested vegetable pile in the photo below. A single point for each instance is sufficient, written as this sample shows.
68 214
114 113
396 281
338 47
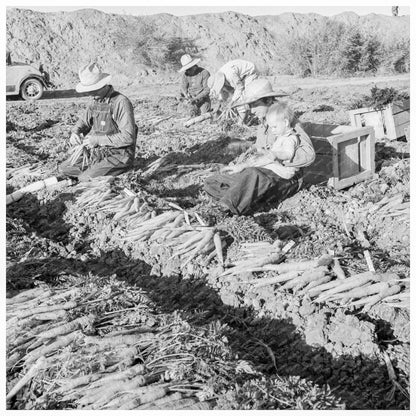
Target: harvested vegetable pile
100 344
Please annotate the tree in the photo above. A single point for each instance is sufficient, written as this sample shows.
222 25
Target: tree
395 10
352 52
313 49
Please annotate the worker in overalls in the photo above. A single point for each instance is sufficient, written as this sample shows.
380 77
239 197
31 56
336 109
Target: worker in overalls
107 129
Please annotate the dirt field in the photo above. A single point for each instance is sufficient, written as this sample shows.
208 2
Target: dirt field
313 354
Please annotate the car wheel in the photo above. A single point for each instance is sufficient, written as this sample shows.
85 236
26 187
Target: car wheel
32 89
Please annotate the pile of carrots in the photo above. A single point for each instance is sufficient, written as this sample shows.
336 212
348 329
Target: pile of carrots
102 346
186 233
319 279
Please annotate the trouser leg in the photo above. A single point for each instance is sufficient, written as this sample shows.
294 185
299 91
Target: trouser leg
73 170
217 185
251 186
105 167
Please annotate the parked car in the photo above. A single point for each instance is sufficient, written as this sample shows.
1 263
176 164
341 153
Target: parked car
24 80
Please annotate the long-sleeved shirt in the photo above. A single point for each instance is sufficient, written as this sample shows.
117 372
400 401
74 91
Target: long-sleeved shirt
196 85
237 73
122 115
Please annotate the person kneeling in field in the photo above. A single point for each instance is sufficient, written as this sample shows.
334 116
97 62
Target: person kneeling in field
275 169
194 85
105 136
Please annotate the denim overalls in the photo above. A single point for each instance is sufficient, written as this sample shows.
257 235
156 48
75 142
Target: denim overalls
103 160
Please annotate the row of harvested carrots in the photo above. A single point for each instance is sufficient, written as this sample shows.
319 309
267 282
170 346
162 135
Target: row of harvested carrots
188 236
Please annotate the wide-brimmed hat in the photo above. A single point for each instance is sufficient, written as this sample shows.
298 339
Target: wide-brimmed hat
259 88
188 62
92 78
216 82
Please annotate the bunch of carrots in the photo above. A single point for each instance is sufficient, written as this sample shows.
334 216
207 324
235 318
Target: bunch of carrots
77 152
185 233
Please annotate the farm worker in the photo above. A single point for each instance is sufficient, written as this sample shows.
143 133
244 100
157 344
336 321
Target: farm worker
194 85
107 128
274 171
230 82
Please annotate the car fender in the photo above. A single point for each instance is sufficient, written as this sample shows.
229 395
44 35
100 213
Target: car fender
38 77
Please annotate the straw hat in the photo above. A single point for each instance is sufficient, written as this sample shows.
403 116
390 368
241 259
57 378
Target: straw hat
92 78
259 88
188 62
216 82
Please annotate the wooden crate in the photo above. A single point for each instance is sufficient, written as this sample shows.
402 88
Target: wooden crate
389 121
344 155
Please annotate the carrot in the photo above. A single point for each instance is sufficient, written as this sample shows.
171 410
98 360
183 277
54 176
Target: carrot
361 291
50 316
35 301
151 396
155 404
214 253
306 277
59 343
179 404
68 327
318 282
270 259
129 339
191 241
76 382
350 283
25 296
218 248
138 369
199 219
48 308
388 291
101 395
315 291
207 237
12 360
40 363
204 405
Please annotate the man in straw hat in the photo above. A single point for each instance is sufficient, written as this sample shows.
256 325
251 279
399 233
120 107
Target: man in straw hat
266 174
107 129
230 82
194 85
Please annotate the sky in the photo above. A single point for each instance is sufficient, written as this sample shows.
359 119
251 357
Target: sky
263 8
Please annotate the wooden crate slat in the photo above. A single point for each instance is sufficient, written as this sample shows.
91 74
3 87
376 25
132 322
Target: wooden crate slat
341 159
344 183
388 122
397 107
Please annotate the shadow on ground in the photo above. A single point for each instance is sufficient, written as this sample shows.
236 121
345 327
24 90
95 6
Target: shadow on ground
274 345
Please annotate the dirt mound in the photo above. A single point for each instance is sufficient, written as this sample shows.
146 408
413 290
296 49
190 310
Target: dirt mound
134 48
